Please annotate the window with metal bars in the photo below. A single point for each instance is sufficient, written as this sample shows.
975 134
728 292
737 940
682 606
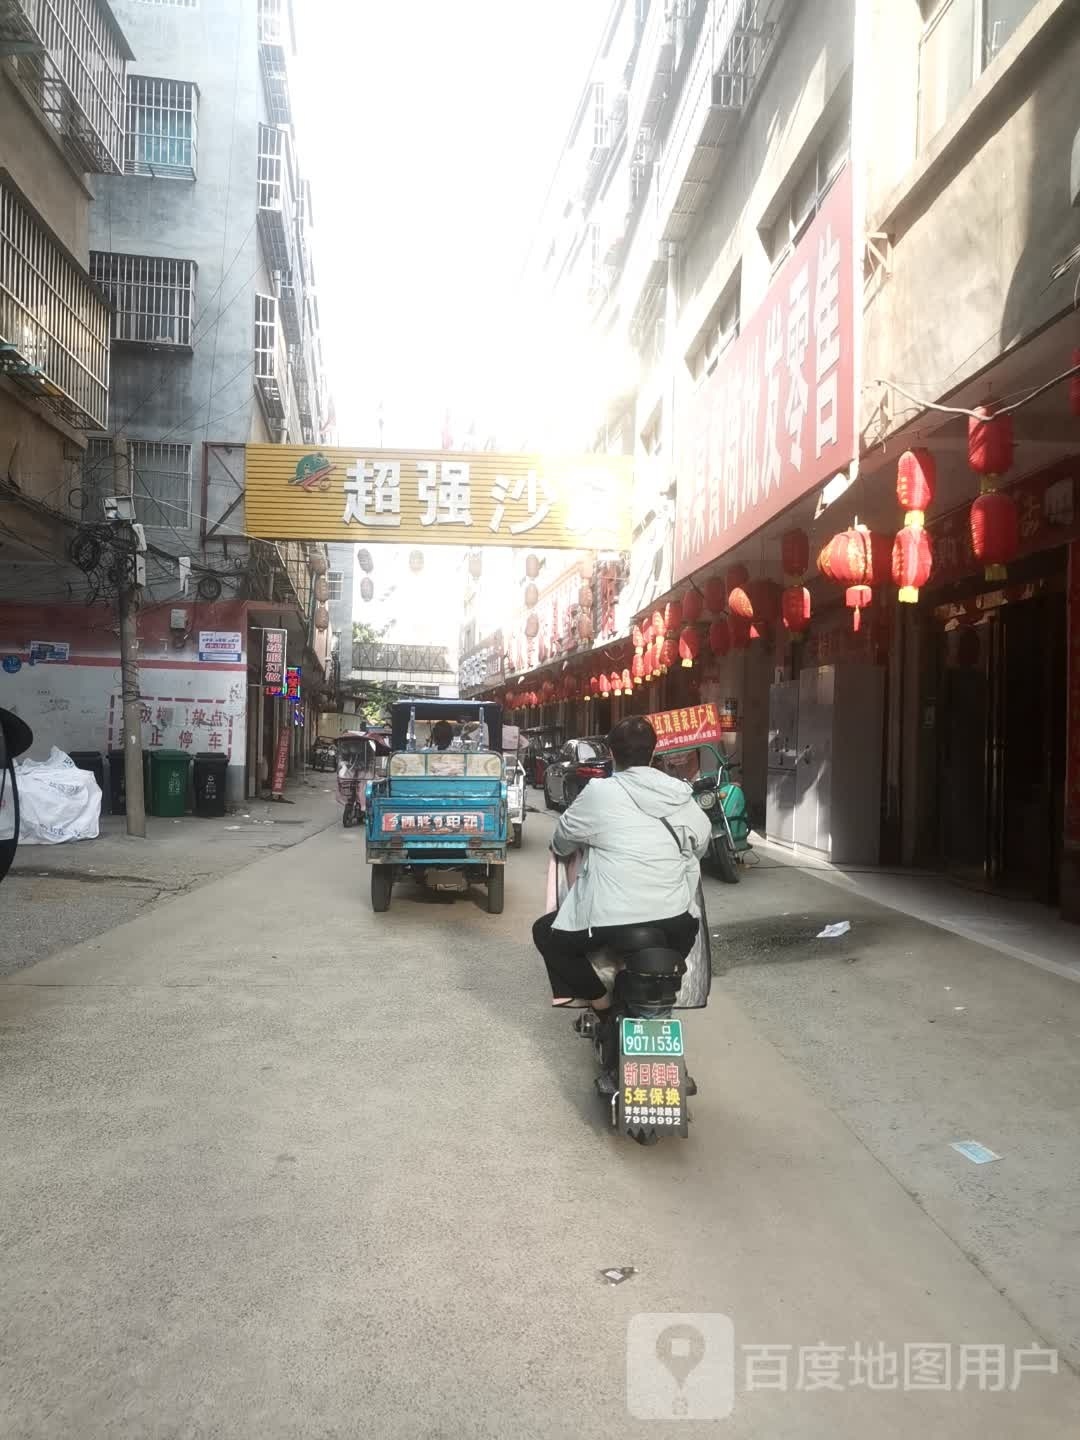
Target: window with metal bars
161 128
54 325
161 478
266 338
334 580
153 298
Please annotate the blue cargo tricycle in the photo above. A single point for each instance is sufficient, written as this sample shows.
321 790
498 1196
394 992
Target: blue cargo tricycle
441 813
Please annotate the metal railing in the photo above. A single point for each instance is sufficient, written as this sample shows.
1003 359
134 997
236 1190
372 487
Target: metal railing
71 60
153 298
54 325
401 659
162 117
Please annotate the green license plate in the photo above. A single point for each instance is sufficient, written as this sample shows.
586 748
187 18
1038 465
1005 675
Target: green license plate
652 1037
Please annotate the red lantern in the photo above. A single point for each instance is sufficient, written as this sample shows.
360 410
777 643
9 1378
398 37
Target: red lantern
637 636
669 653
715 595
692 606
531 596
795 553
1074 388
585 597
990 442
916 480
605 686
627 682
795 609
532 627
658 624
857 597
532 566
740 633
856 557
689 647
657 657
912 561
672 617
740 604
570 688
616 683
637 670
912 558
720 638
995 531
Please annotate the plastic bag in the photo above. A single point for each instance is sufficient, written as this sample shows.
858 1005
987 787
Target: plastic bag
57 801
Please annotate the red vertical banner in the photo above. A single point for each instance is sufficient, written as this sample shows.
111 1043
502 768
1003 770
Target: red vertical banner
1072 753
281 760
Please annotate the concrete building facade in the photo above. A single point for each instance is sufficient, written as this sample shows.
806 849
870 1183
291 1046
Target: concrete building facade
779 235
197 251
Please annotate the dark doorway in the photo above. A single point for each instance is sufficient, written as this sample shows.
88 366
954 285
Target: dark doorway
1002 735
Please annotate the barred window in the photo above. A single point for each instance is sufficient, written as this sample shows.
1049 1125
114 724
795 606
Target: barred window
162 479
334 580
160 475
153 297
161 128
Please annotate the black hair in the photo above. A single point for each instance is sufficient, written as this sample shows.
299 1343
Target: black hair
632 742
442 733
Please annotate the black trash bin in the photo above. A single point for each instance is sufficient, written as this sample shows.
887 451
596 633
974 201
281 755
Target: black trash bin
210 768
118 782
91 760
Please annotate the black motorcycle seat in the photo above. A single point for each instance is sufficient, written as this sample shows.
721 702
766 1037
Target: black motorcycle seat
626 938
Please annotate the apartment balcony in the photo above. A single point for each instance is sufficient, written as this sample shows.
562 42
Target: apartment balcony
277 215
70 58
734 40
271 362
54 324
275 42
651 79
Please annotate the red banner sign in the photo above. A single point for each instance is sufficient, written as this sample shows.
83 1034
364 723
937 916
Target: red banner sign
1072 754
777 416
281 761
696 725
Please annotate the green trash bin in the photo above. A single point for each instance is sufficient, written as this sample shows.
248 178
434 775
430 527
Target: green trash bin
169 770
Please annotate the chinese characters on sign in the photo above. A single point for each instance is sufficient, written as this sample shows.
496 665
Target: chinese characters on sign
777 416
442 498
429 823
696 725
1048 514
652 1075
223 646
274 647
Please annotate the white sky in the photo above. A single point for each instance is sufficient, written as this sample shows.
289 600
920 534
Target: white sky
429 130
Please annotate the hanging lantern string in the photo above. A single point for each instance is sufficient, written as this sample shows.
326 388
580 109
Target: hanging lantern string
974 414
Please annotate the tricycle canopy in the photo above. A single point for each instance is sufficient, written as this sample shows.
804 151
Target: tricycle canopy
463 716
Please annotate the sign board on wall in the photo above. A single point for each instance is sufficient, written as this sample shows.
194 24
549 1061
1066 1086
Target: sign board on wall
777 416
695 725
221 645
437 497
273 667
49 652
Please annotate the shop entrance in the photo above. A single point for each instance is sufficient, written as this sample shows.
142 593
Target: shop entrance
1001 754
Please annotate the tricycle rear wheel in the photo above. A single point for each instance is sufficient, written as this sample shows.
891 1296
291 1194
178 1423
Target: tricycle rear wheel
382 887
496 888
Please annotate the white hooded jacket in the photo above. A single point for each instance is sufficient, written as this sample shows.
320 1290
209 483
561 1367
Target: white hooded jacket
632 868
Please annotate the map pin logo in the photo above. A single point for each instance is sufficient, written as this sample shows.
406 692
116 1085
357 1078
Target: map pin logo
680 1349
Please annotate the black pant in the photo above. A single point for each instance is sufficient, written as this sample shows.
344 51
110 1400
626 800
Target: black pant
565 952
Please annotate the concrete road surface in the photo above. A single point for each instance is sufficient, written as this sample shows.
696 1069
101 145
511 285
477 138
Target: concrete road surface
275 1166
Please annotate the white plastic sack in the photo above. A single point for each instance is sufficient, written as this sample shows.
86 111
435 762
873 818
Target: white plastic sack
57 802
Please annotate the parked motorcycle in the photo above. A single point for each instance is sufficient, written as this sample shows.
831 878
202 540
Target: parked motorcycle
638 1043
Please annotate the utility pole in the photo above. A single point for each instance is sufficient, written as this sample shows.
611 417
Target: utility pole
129 594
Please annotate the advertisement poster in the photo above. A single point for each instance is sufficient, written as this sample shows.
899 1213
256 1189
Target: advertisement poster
225 646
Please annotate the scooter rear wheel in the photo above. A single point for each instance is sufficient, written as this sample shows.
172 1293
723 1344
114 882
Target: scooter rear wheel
726 864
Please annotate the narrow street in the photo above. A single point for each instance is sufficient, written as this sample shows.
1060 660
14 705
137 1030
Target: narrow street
276 1166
